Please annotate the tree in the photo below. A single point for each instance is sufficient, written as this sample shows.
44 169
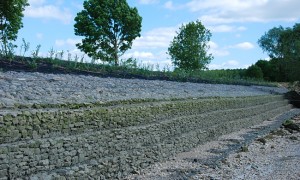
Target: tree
109 27
270 42
266 68
283 46
254 71
11 13
290 43
188 50
282 42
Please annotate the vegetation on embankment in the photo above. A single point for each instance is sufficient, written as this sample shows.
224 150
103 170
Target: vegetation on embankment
127 69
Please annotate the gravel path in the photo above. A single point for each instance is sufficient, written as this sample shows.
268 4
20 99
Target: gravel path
39 88
275 155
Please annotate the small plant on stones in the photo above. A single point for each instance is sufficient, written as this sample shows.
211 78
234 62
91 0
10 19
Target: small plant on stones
291 125
24 47
287 122
11 51
244 149
35 54
51 53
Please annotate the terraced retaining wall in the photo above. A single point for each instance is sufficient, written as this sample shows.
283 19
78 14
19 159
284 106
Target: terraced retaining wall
109 141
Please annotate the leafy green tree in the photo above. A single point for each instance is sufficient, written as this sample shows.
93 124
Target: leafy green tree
254 72
290 43
11 14
282 42
188 50
266 68
283 46
109 27
270 42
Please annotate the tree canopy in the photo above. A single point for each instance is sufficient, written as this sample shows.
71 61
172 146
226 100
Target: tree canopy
109 28
281 42
11 14
188 50
283 47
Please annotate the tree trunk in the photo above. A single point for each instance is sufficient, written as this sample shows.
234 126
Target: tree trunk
116 57
116 60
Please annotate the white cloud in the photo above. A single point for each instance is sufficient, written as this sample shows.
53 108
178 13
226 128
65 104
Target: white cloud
169 5
229 11
36 2
78 6
148 1
38 9
213 45
244 45
216 51
156 38
219 52
241 28
138 55
68 42
156 59
226 28
231 64
39 36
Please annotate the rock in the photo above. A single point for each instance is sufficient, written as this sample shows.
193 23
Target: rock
244 149
294 98
279 132
293 127
94 162
238 156
44 162
262 140
293 138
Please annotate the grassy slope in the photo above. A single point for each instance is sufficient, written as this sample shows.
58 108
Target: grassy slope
48 65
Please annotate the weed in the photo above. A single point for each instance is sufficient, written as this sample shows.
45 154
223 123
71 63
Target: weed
69 56
32 64
287 122
59 55
131 68
76 58
51 53
35 53
244 149
11 51
25 47
82 58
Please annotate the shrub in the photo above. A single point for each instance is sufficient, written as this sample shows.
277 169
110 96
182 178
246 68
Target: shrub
255 72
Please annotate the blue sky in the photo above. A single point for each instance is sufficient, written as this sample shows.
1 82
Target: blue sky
236 25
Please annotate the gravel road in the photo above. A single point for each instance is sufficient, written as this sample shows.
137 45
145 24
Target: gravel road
39 88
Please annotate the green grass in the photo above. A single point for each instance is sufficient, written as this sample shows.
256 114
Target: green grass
130 69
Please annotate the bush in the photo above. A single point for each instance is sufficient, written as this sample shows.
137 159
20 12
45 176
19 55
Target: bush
255 72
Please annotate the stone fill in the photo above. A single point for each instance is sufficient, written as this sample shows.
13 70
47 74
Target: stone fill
109 140
33 89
